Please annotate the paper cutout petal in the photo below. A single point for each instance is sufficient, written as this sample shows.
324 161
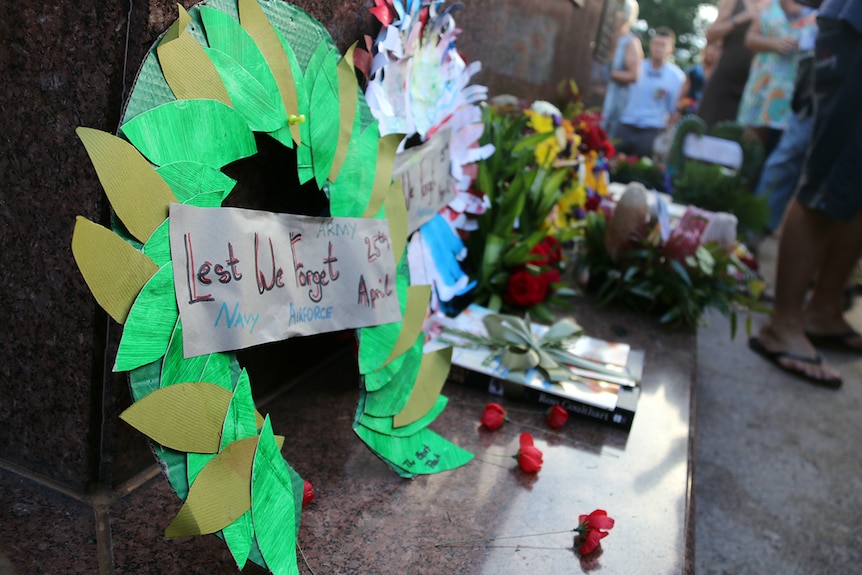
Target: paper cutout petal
195 462
432 375
273 506
385 425
254 21
137 193
220 493
188 70
185 417
188 179
420 454
150 322
347 90
285 135
179 25
394 382
114 271
204 131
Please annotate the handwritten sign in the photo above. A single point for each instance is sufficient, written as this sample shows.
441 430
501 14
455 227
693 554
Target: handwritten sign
246 277
425 176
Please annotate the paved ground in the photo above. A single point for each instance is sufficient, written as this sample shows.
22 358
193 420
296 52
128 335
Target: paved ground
778 477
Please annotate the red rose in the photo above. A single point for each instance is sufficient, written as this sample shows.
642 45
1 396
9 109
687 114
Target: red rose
494 416
307 494
526 289
556 417
593 528
529 457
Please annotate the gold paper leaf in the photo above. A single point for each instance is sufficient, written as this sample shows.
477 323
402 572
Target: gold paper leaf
184 417
220 494
114 271
137 193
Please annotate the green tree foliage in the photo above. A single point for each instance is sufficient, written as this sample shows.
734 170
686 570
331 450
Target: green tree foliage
681 16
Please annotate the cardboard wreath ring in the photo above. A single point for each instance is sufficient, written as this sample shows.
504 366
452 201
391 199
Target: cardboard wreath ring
221 73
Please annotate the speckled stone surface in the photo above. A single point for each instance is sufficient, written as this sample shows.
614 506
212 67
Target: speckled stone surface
44 531
527 47
366 519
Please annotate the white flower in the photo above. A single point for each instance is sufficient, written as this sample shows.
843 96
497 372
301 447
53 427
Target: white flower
546 109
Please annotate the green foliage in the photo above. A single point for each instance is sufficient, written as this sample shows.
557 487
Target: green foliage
678 292
644 171
522 196
713 187
681 16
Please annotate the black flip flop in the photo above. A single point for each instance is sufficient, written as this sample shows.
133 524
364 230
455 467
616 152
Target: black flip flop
838 341
776 356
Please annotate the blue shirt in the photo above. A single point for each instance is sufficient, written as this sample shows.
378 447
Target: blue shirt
653 97
848 10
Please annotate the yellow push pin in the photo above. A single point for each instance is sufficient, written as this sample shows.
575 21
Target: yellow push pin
294 119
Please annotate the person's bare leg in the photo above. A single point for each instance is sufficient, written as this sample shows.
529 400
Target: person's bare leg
806 235
824 314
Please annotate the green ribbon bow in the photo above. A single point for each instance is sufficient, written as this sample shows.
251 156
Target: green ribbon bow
512 341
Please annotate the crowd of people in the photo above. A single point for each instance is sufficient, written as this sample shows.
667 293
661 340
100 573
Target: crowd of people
788 71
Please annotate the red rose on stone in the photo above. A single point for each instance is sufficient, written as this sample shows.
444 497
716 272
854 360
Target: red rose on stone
308 494
592 529
526 289
556 417
494 416
529 457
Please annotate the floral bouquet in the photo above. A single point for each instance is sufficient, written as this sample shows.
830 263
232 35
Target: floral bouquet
515 254
675 271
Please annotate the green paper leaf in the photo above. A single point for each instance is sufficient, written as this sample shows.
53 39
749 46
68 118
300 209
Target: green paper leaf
394 383
185 417
204 131
413 317
351 195
385 425
261 109
423 453
213 368
195 463
206 200
158 246
225 34
114 271
240 421
324 117
432 375
273 506
150 322
220 493
347 90
188 179
304 160
239 537
376 342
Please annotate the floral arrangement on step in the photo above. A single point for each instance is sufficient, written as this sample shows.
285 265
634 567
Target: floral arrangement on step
675 270
515 254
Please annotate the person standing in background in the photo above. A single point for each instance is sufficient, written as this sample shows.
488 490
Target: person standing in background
723 91
821 237
774 37
625 66
652 99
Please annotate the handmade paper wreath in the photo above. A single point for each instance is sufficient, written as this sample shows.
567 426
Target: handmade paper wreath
223 75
